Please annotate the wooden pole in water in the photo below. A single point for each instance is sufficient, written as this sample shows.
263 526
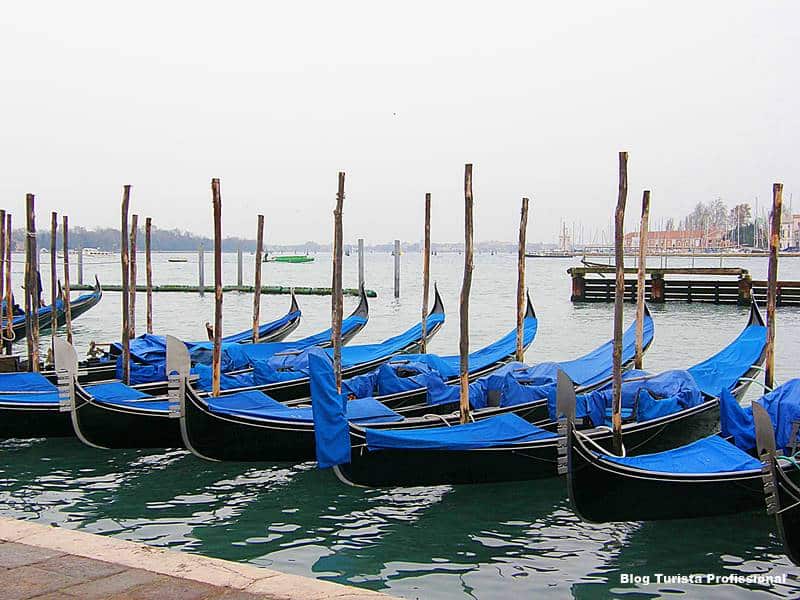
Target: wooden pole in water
67 307
239 267
125 264
257 283
463 344
53 285
640 284
523 230
148 262
31 286
80 265
619 297
426 272
201 275
132 307
3 241
336 284
397 268
9 335
217 355
772 282
360 262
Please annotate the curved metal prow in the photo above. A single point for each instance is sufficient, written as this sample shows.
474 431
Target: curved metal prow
565 415
529 311
438 305
756 318
362 310
765 433
178 360
66 360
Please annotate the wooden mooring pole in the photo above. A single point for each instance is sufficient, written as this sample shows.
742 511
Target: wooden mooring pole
8 337
397 268
132 307
360 262
148 269
53 285
31 286
336 284
640 283
80 265
772 282
426 273
239 267
523 229
463 344
125 265
217 354
67 307
3 242
619 297
257 282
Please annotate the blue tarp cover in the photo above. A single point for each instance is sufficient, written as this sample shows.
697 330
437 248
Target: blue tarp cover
502 430
708 455
331 429
258 405
723 370
119 393
24 388
783 406
407 372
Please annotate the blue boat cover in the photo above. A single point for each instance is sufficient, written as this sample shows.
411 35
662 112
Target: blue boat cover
331 429
26 388
502 430
649 396
783 406
242 356
407 372
723 370
255 404
43 311
708 455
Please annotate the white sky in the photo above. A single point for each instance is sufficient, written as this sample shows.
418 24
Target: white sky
275 98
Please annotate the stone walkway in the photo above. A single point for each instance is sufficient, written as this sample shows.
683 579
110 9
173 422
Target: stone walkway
37 561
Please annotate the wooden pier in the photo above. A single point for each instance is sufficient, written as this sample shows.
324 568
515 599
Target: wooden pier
272 290
711 285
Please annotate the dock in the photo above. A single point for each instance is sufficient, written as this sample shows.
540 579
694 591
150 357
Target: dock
249 289
730 285
38 561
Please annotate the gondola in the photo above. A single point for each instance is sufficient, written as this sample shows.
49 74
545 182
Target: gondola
253 426
503 446
116 416
715 475
781 490
78 306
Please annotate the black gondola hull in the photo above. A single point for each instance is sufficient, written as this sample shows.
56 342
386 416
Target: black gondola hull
30 422
110 427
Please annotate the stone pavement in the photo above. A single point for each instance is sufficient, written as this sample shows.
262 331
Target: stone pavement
37 561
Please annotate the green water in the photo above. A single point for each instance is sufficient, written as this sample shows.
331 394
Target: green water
488 541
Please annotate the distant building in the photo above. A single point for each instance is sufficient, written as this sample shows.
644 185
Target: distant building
679 240
790 232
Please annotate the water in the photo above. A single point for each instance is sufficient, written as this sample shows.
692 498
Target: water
489 541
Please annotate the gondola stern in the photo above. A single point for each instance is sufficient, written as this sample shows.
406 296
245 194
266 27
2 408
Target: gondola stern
362 310
756 318
438 305
530 313
293 307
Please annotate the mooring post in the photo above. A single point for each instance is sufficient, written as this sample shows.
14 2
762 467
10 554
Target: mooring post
396 268
578 284
640 277
3 242
67 307
619 297
201 276
8 338
657 288
239 275
217 354
53 285
745 289
336 284
360 262
125 264
426 273
80 265
523 228
31 286
148 270
772 283
132 307
257 282
463 344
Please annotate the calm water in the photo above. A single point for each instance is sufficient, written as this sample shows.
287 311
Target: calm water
443 542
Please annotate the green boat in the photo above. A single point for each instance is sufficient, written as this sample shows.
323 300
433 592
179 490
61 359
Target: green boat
290 258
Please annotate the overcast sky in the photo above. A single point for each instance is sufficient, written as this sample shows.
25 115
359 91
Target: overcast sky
276 98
